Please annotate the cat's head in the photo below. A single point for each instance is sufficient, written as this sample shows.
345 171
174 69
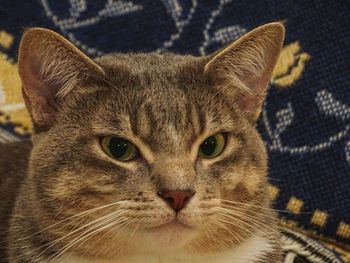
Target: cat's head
148 151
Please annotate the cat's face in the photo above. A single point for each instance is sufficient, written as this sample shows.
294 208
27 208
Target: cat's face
194 175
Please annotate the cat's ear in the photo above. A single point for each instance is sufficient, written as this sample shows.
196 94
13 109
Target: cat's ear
50 67
244 68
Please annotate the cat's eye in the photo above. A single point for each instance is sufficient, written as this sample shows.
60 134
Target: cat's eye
119 148
212 146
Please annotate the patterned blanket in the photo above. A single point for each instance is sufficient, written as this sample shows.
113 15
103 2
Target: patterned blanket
305 121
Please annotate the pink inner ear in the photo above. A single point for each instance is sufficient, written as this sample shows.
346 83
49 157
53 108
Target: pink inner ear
247 103
251 102
34 85
38 96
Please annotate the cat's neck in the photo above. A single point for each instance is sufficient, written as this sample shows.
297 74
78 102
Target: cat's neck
253 250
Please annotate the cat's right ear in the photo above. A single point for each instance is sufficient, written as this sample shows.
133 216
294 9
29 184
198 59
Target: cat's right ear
243 69
50 67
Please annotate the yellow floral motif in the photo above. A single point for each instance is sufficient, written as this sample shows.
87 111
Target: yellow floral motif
11 103
273 192
6 39
343 230
319 218
295 205
290 65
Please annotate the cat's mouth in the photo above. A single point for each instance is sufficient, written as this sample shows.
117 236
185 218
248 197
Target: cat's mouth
169 236
174 225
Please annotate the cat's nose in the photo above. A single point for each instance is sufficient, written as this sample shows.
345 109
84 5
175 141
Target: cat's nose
176 199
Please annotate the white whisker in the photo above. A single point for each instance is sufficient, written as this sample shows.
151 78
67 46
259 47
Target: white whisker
110 221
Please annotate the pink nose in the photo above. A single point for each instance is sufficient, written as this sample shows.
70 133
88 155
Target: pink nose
176 199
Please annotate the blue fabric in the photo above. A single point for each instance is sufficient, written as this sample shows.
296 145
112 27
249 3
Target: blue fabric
305 125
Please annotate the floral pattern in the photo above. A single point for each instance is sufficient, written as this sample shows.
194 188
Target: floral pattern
305 120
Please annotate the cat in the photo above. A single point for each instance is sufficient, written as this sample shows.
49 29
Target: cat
140 157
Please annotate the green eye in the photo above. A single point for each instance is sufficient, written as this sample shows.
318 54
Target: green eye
118 148
212 146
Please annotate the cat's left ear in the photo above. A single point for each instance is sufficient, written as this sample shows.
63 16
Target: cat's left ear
50 67
244 68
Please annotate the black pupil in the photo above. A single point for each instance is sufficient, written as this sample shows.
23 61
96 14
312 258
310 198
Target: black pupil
209 145
118 147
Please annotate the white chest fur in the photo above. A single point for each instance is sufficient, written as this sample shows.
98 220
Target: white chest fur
250 251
